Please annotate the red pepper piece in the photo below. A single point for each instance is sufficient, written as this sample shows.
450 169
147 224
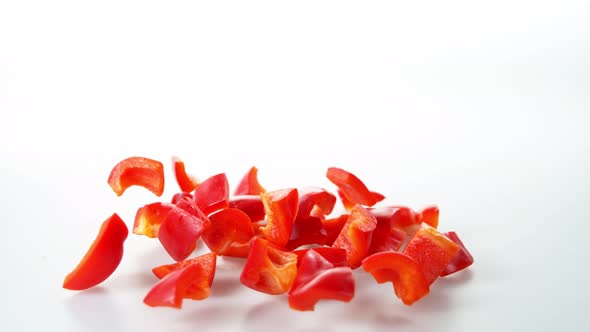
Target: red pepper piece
180 196
170 291
201 286
336 256
432 251
462 258
102 258
315 202
138 171
351 187
305 231
181 229
249 184
355 236
409 281
213 194
186 182
333 227
230 233
429 215
249 204
269 269
149 218
388 236
318 279
281 208
377 196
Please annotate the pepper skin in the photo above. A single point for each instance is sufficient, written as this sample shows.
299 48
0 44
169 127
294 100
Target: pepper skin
229 233
353 189
201 286
186 182
249 184
281 208
462 258
138 171
149 218
212 194
355 236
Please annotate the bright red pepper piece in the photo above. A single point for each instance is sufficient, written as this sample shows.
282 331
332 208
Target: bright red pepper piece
336 256
249 204
315 202
409 281
317 279
201 286
180 196
462 258
269 269
249 184
355 236
432 251
388 236
212 194
333 227
351 187
171 290
181 229
281 208
229 233
186 182
306 231
102 258
149 218
429 215
138 171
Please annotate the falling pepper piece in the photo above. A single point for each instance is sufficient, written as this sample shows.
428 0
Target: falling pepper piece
186 182
173 288
212 194
138 171
181 229
355 236
461 260
352 188
200 287
149 218
249 184
281 208
229 233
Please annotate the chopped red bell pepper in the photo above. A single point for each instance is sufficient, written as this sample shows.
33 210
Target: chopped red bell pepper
306 231
355 236
333 227
352 188
181 229
388 235
429 215
174 287
149 218
102 258
315 202
317 279
180 196
336 256
230 233
281 208
249 184
409 281
432 251
186 182
462 258
138 171
249 204
201 286
269 269
212 194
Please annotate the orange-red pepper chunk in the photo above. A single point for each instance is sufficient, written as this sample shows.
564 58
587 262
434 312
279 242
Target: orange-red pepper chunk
137 171
356 235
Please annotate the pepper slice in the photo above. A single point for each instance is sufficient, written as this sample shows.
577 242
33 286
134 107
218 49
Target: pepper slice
333 227
186 182
432 251
149 218
181 229
201 286
356 234
249 204
269 269
281 208
138 171
352 188
212 194
388 235
462 258
429 215
102 258
317 279
170 291
249 184
229 233
407 276
315 202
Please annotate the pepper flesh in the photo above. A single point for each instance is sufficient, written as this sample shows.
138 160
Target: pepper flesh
200 287
212 194
388 234
315 202
281 208
149 218
461 260
355 236
138 171
352 187
170 291
249 204
102 258
181 229
249 184
229 233
429 215
186 182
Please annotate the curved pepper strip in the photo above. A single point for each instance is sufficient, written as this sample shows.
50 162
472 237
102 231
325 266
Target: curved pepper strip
149 218
409 281
431 250
315 202
171 290
462 258
317 279
269 269
249 204
356 235
181 229
102 258
186 182
138 171
281 208
212 194
200 287
180 196
229 233
352 188
249 184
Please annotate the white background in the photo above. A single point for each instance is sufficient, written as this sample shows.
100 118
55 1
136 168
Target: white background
480 107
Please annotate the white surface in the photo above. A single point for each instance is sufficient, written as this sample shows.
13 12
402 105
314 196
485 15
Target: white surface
482 108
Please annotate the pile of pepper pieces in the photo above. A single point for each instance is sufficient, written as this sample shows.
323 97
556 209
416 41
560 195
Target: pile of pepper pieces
289 240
